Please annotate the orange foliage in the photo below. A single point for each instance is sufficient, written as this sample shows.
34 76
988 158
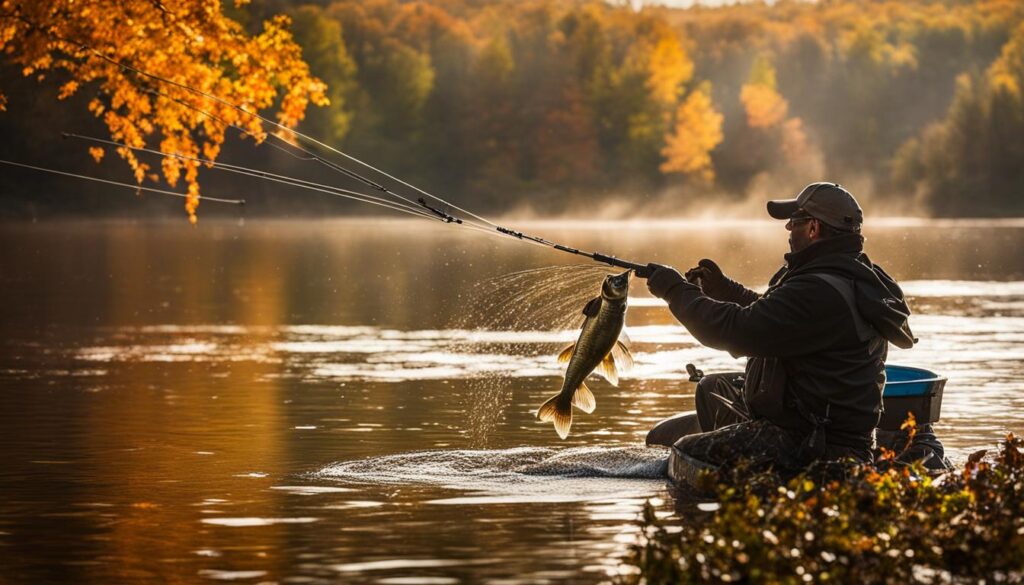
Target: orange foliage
668 67
765 106
190 42
698 130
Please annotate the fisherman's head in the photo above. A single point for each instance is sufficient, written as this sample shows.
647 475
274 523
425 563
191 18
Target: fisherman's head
820 211
616 286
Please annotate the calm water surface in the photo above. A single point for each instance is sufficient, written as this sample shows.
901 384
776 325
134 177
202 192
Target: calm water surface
352 401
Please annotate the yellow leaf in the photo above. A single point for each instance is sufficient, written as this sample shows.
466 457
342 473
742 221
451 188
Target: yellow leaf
67 90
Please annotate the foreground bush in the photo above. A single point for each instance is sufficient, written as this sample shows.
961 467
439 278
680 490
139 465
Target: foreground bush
848 524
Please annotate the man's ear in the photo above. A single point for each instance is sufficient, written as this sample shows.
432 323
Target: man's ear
814 231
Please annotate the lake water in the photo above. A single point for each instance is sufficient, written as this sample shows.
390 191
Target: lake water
352 401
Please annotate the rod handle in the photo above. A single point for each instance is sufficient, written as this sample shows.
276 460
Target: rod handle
641 269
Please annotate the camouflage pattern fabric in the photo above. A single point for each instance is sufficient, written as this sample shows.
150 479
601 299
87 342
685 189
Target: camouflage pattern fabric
759 442
712 413
728 438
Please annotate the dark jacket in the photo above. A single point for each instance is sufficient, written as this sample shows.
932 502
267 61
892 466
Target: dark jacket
811 366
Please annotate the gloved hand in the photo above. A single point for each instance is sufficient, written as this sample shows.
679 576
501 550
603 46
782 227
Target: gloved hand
706 274
662 278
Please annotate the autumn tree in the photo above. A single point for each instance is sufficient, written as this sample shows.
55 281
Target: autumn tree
764 105
323 47
394 82
970 161
147 62
501 102
698 130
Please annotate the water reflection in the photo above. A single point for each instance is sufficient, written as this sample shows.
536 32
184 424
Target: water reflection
260 403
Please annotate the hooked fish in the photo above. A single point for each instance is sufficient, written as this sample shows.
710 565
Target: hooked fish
598 348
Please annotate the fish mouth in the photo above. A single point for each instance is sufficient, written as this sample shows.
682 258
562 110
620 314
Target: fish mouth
617 286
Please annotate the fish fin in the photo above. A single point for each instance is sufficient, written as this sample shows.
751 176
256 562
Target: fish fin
552 411
591 308
624 338
621 354
583 399
607 369
566 354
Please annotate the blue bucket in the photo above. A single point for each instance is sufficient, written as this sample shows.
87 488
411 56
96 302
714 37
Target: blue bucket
910 390
907 381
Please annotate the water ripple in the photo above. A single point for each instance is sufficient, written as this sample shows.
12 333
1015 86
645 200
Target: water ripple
524 474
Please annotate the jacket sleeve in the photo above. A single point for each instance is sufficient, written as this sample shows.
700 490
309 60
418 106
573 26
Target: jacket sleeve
801 316
730 291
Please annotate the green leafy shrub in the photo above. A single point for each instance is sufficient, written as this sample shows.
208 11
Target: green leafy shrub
847 523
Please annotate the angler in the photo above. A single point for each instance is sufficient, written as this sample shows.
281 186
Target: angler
816 340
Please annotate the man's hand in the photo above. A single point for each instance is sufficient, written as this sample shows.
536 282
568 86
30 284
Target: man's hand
706 274
662 278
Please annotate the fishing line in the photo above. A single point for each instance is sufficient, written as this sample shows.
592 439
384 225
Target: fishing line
265 139
434 212
227 124
293 181
284 179
284 128
119 184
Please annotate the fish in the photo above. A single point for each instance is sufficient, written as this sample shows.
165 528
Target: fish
601 347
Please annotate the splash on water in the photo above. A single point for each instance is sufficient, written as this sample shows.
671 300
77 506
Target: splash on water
525 474
542 298
489 469
547 299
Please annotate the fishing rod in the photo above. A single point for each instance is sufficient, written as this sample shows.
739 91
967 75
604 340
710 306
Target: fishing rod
640 269
119 184
446 217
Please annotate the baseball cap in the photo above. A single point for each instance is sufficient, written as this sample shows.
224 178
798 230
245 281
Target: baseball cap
829 202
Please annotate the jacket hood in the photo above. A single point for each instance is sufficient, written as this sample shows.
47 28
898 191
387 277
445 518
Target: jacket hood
880 301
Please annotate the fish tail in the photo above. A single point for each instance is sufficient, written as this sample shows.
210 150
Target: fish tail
583 399
557 411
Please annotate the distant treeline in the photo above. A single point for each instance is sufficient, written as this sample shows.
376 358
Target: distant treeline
551 104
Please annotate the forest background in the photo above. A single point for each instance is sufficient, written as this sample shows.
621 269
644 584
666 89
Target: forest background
593 109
